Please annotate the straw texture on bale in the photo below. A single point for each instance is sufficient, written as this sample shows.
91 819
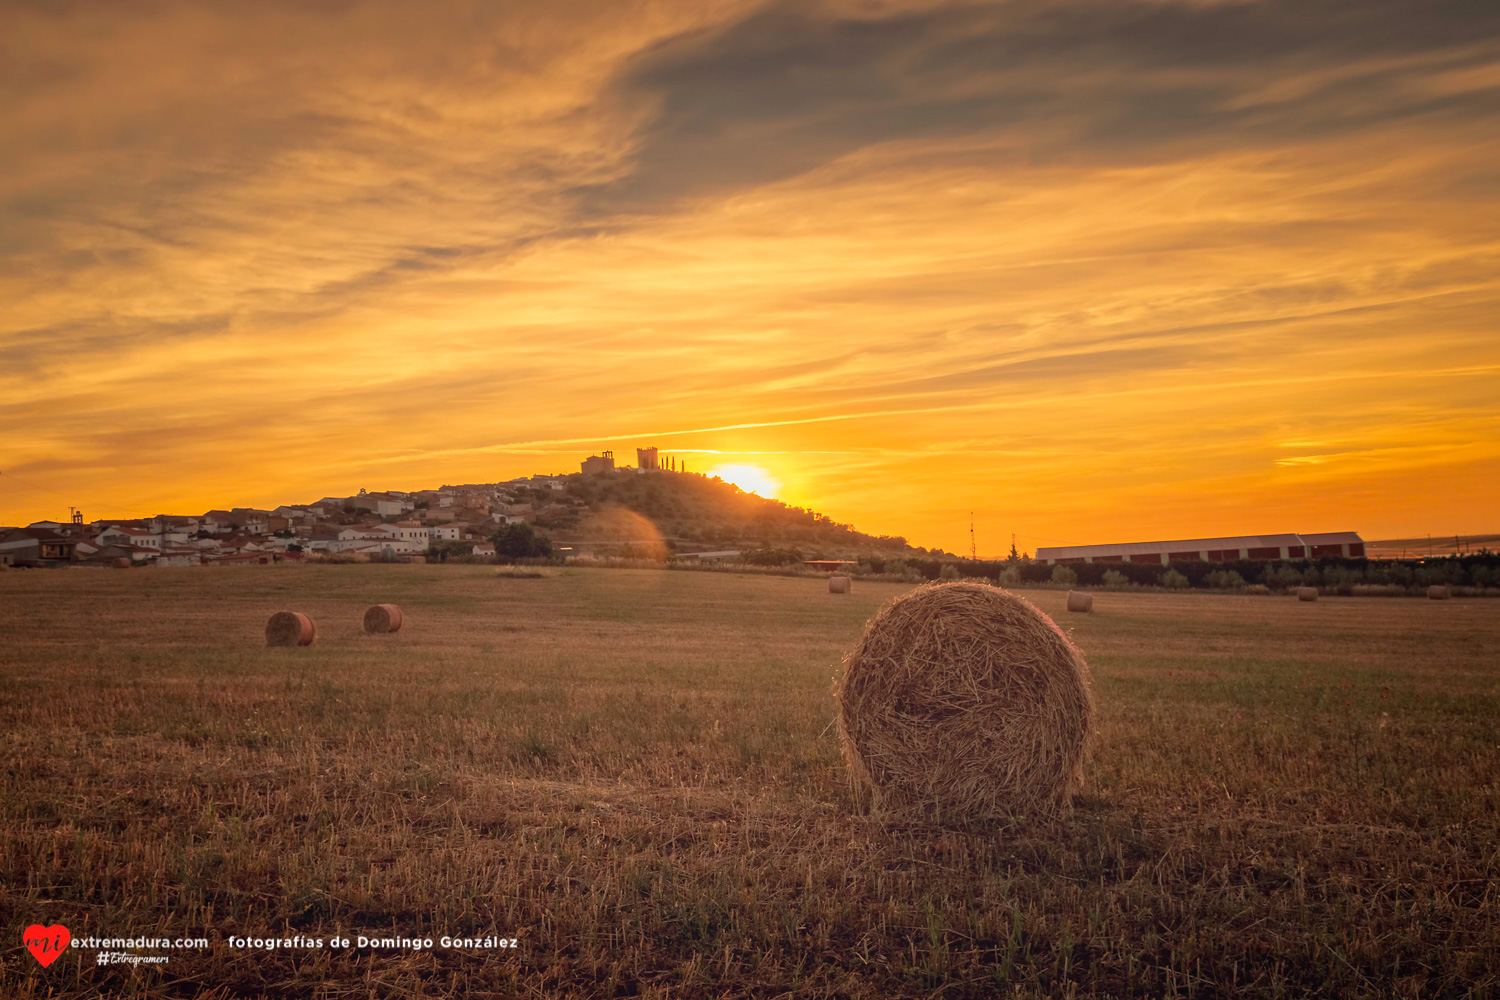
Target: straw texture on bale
839 585
1080 602
962 702
290 628
1438 593
383 618
1307 593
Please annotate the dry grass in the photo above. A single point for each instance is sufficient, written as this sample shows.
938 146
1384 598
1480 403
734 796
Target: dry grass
524 573
961 703
635 773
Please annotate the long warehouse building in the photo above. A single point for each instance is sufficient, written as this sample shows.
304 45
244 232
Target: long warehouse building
1229 549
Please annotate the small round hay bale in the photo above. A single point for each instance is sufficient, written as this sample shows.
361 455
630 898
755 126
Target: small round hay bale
121 562
418 560
962 702
1078 601
840 585
290 628
382 618
1438 593
1307 593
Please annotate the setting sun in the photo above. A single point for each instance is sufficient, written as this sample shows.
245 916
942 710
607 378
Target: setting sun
750 478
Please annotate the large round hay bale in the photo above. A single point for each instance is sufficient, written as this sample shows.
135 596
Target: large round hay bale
290 628
839 585
1080 602
1307 593
382 618
121 562
1438 593
962 702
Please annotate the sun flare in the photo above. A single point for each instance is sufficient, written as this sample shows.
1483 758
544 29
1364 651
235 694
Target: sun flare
750 478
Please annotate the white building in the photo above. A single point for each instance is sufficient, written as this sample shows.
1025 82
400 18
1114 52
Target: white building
131 536
411 531
373 539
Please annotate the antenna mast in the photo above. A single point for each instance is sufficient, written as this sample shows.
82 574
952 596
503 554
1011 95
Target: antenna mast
973 549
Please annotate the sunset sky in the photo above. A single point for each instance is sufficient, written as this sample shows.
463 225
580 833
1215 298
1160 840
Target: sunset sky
1094 271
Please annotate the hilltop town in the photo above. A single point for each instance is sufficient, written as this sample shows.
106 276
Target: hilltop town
654 509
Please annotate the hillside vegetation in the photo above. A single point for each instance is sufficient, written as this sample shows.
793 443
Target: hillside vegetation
686 512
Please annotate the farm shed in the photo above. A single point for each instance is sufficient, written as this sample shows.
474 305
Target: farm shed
1229 548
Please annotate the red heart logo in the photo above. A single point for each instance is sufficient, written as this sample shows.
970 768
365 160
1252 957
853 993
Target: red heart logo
47 943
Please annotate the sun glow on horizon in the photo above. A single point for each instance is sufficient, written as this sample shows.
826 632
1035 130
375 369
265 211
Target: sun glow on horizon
750 478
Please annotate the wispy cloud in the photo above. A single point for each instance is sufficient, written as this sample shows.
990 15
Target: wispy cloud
1081 264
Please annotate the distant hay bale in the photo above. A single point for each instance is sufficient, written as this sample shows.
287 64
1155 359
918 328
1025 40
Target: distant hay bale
382 618
290 628
962 702
1080 602
419 560
121 562
1307 593
1438 593
840 585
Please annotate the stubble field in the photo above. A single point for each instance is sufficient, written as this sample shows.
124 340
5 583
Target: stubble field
634 774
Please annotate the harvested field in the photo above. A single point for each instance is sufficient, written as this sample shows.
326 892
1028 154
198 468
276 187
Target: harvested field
635 774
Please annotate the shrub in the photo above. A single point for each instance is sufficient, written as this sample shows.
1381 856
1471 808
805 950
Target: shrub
1282 576
1114 578
520 541
1224 579
948 572
1342 578
767 556
1173 580
1010 576
1064 575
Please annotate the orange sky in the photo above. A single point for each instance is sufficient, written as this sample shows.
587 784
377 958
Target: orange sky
1094 271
